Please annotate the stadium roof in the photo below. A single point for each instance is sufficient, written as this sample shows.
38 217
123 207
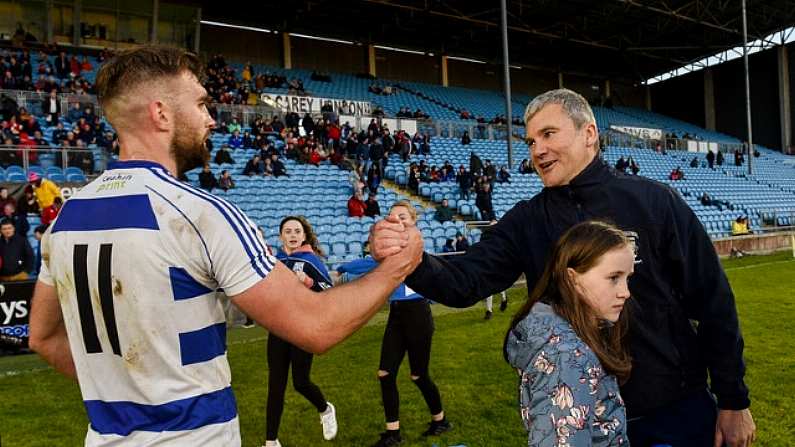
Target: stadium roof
631 39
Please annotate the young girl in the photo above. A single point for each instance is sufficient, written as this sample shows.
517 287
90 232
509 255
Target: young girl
567 342
301 253
409 329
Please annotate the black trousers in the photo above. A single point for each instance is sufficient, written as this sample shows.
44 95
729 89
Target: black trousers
281 355
689 422
409 329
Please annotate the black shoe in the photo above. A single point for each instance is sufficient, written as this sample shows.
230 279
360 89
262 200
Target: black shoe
389 438
436 428
488 315
503 305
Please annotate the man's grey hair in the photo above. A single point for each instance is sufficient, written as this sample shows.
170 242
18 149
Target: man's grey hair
573 104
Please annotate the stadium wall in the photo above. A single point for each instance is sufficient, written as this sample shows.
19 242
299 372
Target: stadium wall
325 56
242 45
681 98
407 67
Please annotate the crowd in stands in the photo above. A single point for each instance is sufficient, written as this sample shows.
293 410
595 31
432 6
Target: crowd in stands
40 196
65 74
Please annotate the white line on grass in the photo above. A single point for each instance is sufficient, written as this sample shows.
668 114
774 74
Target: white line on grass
763 264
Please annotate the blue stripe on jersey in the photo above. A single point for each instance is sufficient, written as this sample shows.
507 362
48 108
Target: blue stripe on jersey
202 345
183 286
201 238
122 417
107 213
226 209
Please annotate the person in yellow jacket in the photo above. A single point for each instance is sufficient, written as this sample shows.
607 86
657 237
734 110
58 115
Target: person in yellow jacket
45 190
740 226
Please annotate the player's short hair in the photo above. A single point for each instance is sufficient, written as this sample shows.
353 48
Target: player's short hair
142 65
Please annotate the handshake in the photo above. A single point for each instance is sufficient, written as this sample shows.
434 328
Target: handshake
396 244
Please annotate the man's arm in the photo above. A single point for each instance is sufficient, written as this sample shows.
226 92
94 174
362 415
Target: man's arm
47 331
708 298
488 267
318 321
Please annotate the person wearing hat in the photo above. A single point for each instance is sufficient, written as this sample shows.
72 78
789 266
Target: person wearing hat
45 190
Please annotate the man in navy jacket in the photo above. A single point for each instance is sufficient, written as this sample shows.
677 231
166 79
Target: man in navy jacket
683 317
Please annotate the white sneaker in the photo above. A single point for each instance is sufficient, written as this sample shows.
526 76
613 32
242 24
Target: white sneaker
275 443
328 420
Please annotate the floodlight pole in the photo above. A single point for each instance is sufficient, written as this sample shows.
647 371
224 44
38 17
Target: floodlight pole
750 154
507 81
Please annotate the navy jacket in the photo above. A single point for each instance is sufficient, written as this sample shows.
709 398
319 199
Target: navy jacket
683 317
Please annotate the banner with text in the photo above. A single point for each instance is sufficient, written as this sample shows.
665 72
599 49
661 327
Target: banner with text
640 132
14 314
312 104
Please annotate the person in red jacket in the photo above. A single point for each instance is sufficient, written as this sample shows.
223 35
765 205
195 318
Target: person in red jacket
356 206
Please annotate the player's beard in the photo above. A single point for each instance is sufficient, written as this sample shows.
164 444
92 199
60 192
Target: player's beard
188 148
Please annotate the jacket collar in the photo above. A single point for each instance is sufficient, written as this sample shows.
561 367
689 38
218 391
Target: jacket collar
595 174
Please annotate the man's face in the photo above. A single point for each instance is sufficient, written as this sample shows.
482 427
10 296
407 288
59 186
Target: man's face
192 123
444 203
559 150
7 230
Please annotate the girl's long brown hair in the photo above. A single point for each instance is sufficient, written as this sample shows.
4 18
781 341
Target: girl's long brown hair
309 234
581 248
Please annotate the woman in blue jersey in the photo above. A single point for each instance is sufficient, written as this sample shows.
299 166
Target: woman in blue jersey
301 253
409 328
568 342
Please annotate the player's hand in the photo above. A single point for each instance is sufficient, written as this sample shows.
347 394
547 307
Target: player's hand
387 237
735 428
409 257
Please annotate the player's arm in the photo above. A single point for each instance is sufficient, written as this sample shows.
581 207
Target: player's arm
318 321
48 332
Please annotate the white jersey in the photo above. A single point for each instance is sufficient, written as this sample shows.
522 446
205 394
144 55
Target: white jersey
136 257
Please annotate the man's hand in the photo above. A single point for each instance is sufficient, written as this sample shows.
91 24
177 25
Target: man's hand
409 257
387 237
735 428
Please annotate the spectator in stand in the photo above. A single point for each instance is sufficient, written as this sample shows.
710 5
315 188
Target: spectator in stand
38 233
19 220
225 181
633 166
373 208
710 160
253 166
490 171
740 226
247 141
739 158
503 176
49 214
234 126
484 203
449 246
461 243
526 167
464 180
278 167
86 65
373 179
75 113
694 161
267 167
59 133
414 179
44 190
443 212
62 65
676 174
15 253
207 180
235 141
223 156
621 165
356 206
475 165
5 199
51 107
719 158
465 138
